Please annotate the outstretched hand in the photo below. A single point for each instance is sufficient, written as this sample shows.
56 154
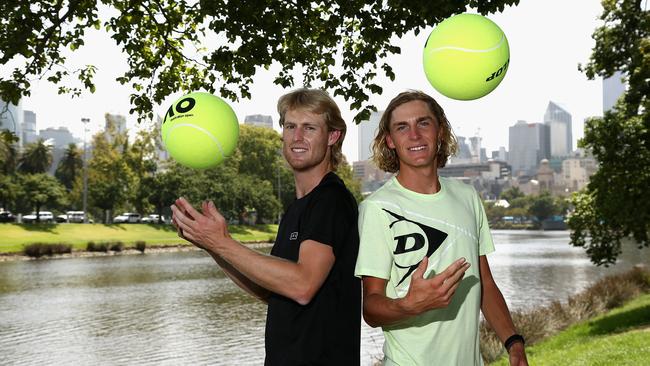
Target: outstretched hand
433 293
204 229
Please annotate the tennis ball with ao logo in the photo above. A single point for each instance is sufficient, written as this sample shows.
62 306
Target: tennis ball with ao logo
466 56
200 130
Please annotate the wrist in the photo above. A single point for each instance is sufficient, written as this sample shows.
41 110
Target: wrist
404 306
512 341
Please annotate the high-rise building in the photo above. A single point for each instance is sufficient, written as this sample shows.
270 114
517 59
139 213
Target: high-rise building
528 144
475 148
613 88
29 127
366 135
577 170
500 155
259 120
559 121
59 137
11 119
464 155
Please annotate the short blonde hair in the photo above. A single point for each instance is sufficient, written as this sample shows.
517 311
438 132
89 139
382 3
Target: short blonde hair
386 158
318 102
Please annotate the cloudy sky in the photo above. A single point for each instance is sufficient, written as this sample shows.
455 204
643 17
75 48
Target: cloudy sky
548 39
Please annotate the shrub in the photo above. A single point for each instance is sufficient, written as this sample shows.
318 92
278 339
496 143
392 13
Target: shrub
539 323
38 250
97 247
140 245
117 246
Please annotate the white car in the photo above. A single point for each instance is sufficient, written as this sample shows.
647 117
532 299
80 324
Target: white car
45 216
72 216
153 219
127 218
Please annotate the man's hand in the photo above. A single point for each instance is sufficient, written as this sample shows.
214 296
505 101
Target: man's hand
434 293
517 355
205 230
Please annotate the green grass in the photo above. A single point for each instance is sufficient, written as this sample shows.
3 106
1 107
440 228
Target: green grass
619 337
13 237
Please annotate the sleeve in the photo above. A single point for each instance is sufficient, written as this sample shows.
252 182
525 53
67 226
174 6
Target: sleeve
375 259
485 242
326 219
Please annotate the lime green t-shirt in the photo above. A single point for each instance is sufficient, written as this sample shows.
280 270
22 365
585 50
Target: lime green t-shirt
397 228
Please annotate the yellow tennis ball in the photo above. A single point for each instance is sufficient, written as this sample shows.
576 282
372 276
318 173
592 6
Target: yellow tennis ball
466 56
200 130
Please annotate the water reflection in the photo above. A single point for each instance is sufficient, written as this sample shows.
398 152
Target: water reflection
179 309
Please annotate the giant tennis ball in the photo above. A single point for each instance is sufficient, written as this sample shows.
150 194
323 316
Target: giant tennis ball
466 56
200 130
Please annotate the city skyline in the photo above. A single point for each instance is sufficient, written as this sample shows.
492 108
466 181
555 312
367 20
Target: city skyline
543 68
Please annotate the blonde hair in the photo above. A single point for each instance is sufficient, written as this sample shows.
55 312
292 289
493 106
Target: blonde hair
386 158
318 102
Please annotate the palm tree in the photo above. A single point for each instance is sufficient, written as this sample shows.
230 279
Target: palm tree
8 152
36 158
69 167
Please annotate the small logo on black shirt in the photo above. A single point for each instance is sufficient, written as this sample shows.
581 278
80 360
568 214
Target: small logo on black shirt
294 235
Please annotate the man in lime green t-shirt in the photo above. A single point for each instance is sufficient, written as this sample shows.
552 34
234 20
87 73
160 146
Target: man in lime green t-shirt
423 246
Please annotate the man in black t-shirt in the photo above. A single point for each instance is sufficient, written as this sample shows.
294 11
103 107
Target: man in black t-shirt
314 300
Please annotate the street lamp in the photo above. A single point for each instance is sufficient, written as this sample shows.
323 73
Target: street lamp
85 195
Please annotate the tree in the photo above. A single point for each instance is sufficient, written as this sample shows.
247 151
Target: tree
340 44
511 194
163 188
69 166
36 158
493 212
615 204
40 190
110 180
142 160
344 171
8 152
9 191
543 207
259 154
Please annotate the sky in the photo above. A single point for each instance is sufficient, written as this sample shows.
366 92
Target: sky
547 38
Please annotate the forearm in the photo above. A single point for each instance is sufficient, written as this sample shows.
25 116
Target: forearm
240 280
496 312
380 310
274 274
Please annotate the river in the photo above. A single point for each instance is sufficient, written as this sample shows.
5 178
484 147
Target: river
179 309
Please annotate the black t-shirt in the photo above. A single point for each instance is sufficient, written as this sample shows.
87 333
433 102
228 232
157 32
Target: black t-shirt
327 330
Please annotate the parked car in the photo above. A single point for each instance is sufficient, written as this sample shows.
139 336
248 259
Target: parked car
45 216
72 216
127 218
7 216
153 219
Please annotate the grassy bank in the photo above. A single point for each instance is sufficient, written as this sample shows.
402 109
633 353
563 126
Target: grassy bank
619 337
14 237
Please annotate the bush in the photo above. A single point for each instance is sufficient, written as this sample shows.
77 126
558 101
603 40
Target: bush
537 324
117 246
38 250
97 247
140 245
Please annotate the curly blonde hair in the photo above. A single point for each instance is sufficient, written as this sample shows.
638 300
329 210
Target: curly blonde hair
318 102
386 158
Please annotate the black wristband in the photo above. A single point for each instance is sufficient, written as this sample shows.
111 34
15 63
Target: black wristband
513 339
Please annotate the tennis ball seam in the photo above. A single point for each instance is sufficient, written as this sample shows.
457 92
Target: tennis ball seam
210 135
442 48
